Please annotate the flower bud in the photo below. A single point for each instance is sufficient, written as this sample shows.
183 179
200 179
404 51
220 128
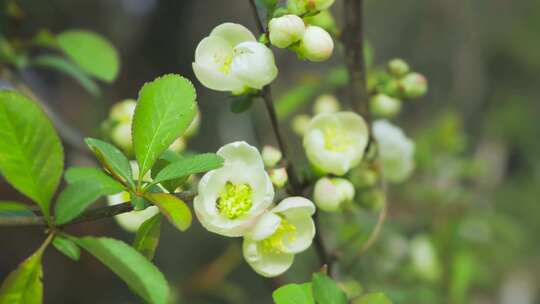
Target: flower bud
301 7
398 67
382 105
413 85
279 177
271 156
424 258
193 127
121 136
323 19
326 104
316 45
286 30
178 145
122 112
300 124
330 193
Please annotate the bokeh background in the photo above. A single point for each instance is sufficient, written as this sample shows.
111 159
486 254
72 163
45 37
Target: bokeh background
474 196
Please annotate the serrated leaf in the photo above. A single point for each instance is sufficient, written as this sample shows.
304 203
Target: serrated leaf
10 208
91 52
23 285
67 247
174 209
31 156
140 275
78 174
189 165
77 197
147 238
293 294
60 64
373 298
163 161
326 290
112 159
165 109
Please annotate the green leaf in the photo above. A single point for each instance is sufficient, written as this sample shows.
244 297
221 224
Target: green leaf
147 238
31 156
67 247
77 197
326 291
68 68
189 165
163 161
165 109
373 298
112 159
94 54
140 275
9 208
241 103
23 285
176 211
293 294
78 174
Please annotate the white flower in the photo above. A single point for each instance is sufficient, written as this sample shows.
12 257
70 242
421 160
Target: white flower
424 258
335 142
383 105
271 156
326 104
131 221
280 233
286 30
316 44
231 198
396 151
231 59
330 193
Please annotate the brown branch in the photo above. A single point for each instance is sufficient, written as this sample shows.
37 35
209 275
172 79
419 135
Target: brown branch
88 216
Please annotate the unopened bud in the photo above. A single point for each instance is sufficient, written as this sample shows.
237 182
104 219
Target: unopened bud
323 19
382 105
279 177
330 193
271 156
193 127
326 104
413 85
122 112
301 7
121 136
316 44
398 67
300 124
178 145
286 30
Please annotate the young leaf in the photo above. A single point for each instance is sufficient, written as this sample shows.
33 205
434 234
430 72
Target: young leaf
294 294
77 197
112 159
67 247
373 298
189 165
133 268
147 238
9 208
68 68
163 161
78 174
23 285
165 109
31 156
95 55
326 291
176 211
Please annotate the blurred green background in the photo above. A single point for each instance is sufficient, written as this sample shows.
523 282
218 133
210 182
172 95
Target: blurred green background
472 209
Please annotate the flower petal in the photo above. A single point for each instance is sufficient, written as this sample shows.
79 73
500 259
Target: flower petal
302 237
215 80
131 221
295 206
268 265
241 151
233 33
254 64
265 227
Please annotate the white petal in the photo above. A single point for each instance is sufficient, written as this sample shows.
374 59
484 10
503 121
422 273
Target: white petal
295 206
254 64
268 265
325 160
213 53
302 237
215 80
241 151
233 33
265 227
131 221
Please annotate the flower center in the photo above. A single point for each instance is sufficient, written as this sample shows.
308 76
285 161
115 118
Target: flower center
335 139
274 243
235 200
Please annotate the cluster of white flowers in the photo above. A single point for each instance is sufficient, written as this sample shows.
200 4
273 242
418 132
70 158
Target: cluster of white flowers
118 125
237 200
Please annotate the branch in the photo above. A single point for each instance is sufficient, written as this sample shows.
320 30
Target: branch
88 216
